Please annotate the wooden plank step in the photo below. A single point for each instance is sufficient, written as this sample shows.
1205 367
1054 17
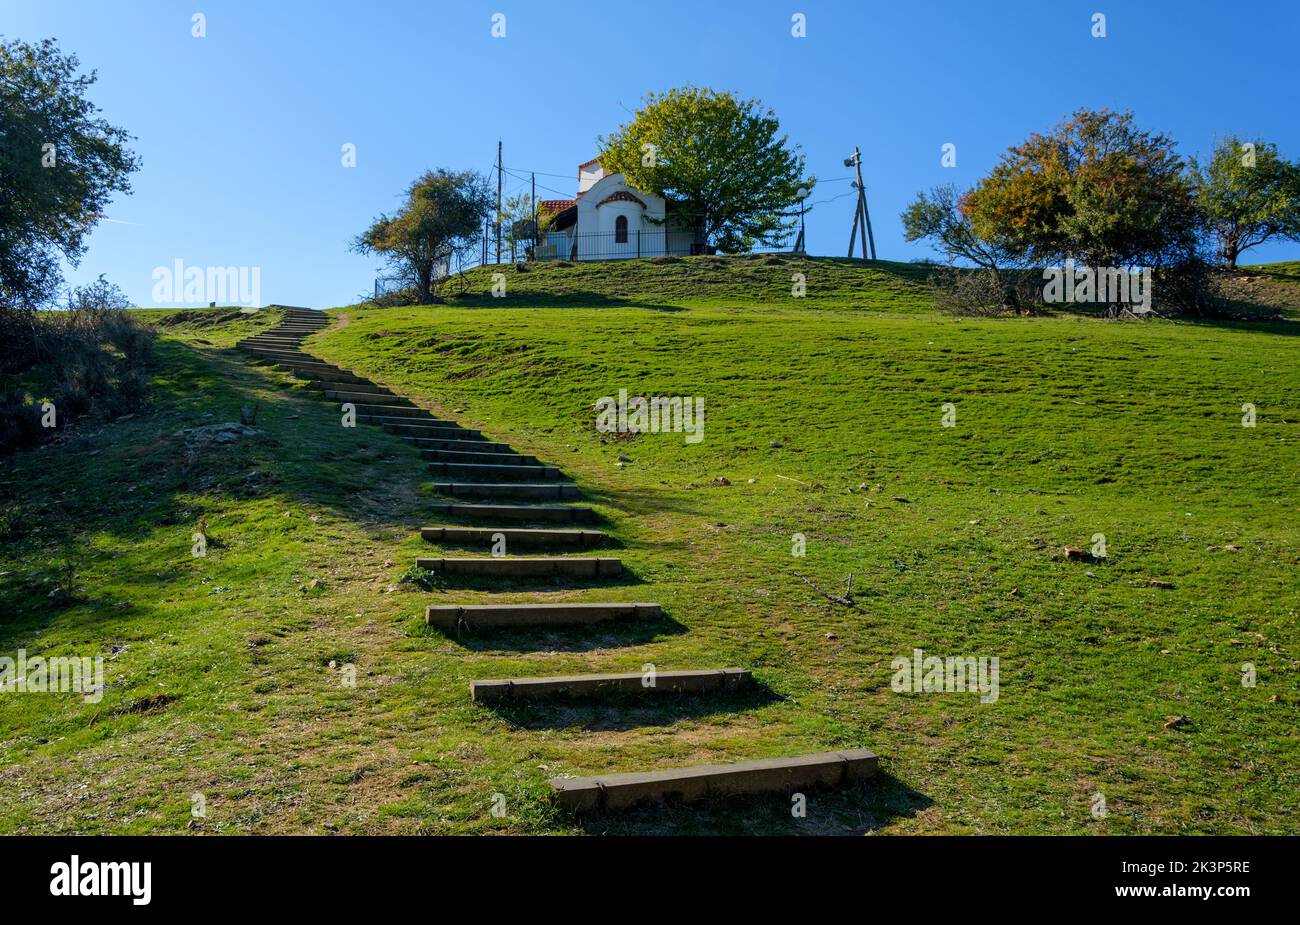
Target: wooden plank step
485 616
523 567
513 536
302 371
431 426
311 366
589 685
371 400
550 513
275 353
361 385
475 471
768 775
288 352
385 411
467 446
495 459
557 491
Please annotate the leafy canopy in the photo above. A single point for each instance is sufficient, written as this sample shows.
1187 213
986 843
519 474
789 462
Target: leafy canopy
60 164
719 161
1096 189
1249 194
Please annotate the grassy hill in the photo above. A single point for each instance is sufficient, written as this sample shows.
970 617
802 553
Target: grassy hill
823 418
672 283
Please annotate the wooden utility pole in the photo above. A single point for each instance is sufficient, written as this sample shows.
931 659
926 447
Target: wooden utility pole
536 235
499 200
853 233
861 211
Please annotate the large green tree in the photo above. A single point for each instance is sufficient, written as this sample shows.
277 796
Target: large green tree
1249 194
60 164
721 163
443 215
1096 189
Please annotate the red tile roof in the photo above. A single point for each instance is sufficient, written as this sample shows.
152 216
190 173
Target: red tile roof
551 206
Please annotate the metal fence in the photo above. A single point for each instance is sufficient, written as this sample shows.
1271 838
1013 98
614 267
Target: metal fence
630 245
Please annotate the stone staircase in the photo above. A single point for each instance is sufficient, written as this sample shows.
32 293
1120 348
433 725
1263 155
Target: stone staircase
510 496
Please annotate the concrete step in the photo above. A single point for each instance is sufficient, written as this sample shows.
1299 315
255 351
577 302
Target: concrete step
769 775
514 536
486 616
719 680
372 400
549 513
431 429
521 567
489 471
492 459
554 491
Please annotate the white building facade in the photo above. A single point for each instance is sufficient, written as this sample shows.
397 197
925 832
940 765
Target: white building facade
610 220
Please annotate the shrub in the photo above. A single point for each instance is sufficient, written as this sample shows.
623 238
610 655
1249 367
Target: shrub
985 293
89 358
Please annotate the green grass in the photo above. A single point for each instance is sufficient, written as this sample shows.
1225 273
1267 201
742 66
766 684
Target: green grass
1066 427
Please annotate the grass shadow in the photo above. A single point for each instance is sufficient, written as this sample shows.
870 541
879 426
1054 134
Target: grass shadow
621 712
514 583
860 809
574 299
146 475
578 638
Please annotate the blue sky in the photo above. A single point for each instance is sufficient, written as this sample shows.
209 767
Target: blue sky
241 131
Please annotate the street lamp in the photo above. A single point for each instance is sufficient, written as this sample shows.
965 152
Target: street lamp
802 196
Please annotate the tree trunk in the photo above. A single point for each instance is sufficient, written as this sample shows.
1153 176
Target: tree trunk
1231 249
699 238
423 283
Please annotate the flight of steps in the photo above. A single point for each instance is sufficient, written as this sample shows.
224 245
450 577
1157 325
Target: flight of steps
512 498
